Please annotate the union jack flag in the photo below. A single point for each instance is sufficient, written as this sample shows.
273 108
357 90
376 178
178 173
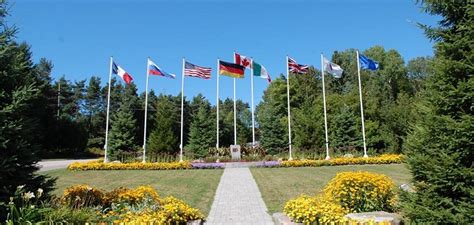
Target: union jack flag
296 68
196 71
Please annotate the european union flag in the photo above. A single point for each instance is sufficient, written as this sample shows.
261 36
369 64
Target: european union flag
367 63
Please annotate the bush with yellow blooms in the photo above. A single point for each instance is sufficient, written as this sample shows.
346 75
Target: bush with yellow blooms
347 192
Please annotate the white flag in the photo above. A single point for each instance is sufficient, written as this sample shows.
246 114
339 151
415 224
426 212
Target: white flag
332 68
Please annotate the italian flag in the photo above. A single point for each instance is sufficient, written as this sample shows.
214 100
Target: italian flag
260 71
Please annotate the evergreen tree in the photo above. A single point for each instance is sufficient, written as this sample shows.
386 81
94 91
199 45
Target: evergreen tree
344 132
165 136
95 111
19 93
202 133
440 147
274 135
124 124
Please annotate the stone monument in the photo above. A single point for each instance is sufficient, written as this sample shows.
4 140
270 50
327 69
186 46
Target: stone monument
235 152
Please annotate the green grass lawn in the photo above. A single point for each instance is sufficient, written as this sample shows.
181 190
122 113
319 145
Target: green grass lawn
196 187
278 185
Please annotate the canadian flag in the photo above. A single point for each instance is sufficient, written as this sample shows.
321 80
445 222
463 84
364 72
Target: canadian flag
122 73
242 60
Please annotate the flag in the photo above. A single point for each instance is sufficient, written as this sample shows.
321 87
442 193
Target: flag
296 68
121 73
153 69
242 60
332 68
196 71
367 63
259 70
231 69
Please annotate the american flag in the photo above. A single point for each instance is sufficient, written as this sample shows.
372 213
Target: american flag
197 71
295 67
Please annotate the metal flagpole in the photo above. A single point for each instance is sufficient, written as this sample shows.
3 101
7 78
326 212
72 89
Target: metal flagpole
235 111
324 104
289 113
106 146
253 110
182 113
361 106
235 118
146 109
217 105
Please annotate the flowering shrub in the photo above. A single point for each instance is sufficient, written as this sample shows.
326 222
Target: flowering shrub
347 192
307 210
131 196
362 191
97 165
383 159
176 211
208 165
79 196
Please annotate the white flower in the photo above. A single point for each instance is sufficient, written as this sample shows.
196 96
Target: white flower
28 195
39 192
20 187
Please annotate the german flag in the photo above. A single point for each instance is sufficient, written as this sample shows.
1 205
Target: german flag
231 69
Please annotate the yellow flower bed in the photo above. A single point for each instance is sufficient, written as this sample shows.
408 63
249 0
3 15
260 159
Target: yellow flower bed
98 165
383 159
79 196
131 196
141 205
362 191
347 192
307 210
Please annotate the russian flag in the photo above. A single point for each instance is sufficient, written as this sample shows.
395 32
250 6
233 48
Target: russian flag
153 69
121 73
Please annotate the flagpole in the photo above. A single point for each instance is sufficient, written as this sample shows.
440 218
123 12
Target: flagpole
106 146
235 112
146 109
324 106
235 118
289 113
361 106
217 105
253 110
182 113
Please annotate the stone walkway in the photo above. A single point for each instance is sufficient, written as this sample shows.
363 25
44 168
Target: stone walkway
238 200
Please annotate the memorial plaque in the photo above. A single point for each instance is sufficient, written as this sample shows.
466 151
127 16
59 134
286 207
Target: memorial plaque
235 152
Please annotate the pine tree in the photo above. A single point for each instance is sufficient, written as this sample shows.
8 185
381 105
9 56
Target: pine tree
122 132
274 135
344 132
164 138
202 133
19 95
124 124
440 147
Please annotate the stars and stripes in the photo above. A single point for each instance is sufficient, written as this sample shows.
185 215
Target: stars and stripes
294 67
196 71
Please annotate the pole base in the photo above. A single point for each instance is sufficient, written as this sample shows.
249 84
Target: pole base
327 158
366 156
290 159
180 160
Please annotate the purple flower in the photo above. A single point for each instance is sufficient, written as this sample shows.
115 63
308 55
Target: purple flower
208 165
268 164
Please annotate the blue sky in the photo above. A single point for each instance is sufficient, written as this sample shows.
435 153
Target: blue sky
80 36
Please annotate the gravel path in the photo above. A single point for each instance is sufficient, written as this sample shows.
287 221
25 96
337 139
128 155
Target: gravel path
238 200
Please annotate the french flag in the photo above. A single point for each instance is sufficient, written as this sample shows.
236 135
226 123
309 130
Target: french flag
153 69
121 73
